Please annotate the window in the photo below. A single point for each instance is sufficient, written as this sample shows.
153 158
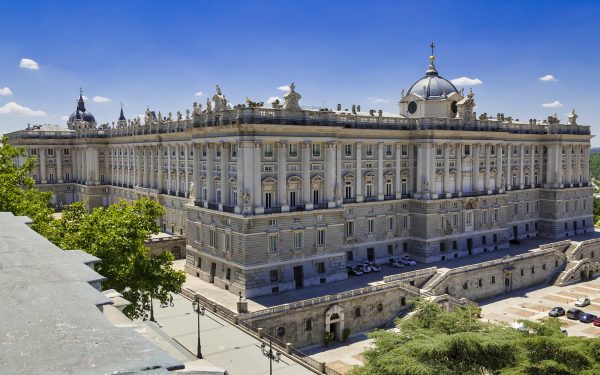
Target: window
348 190
496 215
527 207
484 240
228 274
390 223
211 237
465 285
349 228
234 150
268 199
292 198
480 282
349 256
66 151
405 222
272 222
493 280
274 276
308 325
369 189
321 237
268 150
273 243
348 150
390 249
404 186
455 220
33 151
316 150
469 218
438 150
484 217
357 312
369 150
218 151
227 241
467 149
516 208
298 240
293 151
404 150
50 151
388 150
315 197
370 226
522 272
234 196
321 267
388 187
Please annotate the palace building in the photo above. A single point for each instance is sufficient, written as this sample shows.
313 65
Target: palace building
278 197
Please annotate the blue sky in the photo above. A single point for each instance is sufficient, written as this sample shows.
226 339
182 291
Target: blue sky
161 54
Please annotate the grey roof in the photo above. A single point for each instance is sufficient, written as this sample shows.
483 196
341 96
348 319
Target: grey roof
50 317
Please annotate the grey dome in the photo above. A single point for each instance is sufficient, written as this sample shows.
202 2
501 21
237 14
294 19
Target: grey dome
432 86
82 116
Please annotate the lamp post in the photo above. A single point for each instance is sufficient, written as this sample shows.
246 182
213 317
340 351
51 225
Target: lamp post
200 312
269 354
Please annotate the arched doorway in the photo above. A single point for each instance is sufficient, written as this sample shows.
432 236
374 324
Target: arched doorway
334 321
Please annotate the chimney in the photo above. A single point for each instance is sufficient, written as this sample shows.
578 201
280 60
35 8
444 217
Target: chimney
339 107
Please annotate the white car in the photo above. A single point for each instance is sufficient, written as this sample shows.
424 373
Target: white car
373 266
408 261
396 263
582 302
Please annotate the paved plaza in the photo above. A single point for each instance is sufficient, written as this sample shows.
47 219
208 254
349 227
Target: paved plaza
534 304
223 345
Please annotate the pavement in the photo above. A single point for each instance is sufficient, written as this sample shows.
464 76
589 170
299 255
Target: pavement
223 345
534 304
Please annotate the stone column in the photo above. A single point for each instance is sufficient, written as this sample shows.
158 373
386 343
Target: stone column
59 171
306 175
412 175
225 154
522 167
152 183
425 166
569 170
169 182
447 169
42 152
107 167
499 166
487 150
459 169
330 174
398 171
159 169
96 164
196 172
476 166
187 169
578 165
339 184
146 175
586 164
358 179
380 193
532 166
241 176
282 176
508 167
257 171
177 171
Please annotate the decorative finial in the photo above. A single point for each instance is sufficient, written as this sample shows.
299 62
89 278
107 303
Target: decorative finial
431 71
432 57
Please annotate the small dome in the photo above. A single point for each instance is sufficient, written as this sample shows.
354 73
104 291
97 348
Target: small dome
432 85
81 116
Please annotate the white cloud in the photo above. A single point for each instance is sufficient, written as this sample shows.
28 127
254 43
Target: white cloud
13 108
375 99
554 104
284 88
5 91
29 64
466 81
273 98
548 78
64 118
199 93
100 99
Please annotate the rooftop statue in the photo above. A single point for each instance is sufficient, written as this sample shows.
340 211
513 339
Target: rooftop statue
148 118
221 103
292 99
572 118
208 106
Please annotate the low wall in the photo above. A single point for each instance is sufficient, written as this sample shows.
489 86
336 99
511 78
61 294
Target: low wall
174 244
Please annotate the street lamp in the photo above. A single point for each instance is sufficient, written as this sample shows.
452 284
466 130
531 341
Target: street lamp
269 354
200 312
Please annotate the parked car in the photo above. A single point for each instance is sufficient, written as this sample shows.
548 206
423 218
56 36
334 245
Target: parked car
365 268
582 302
574 314
408 261
396 263
587 318
596 322
354 270
556 312
374 267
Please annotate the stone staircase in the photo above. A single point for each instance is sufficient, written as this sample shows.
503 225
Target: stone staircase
565 275
435 280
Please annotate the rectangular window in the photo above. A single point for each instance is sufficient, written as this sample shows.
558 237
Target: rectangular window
316 150
298 240
467 149
496 215
227 241
484 217
268 199
369 150
405 222
211 237
438 150
348 190
390 223
404 150
273 243
348 150
272 222
228 274
66 151
388 150
50 151
234 150
321 237
349 228
321 267
274 276
469 218
370 226
268 150
293 152
388 187
516 208
308 325
349 256
390 249
33 151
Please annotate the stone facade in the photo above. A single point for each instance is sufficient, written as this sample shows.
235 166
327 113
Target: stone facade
273 199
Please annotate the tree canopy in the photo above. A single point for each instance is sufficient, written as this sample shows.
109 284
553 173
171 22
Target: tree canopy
17 189
433 341
117 235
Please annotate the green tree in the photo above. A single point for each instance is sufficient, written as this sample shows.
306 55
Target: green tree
433 341
117 235
17 189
